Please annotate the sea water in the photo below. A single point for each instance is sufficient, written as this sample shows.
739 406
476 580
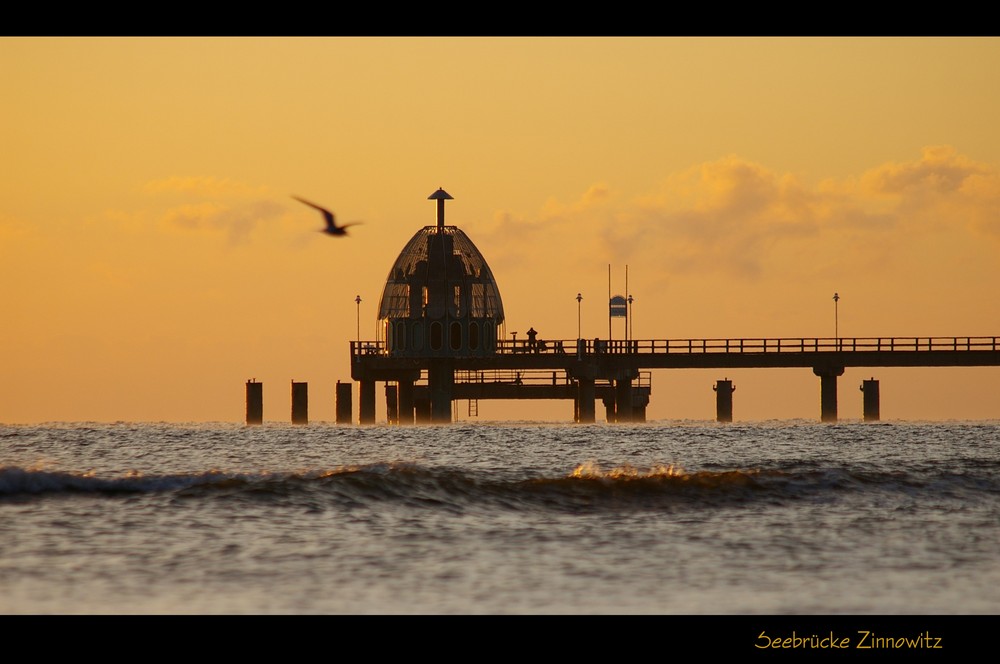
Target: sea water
502 518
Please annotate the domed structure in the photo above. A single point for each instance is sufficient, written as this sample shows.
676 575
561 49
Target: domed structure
440 298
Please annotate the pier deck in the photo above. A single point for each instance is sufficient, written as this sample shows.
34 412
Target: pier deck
617 371
371 356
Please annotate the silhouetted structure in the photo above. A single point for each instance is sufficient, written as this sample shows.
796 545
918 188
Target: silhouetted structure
871 400
255 402
440 302
300 403
343 403
441 338
724 400
441 313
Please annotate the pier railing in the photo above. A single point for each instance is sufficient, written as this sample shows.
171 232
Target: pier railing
739 345
794 345
528 377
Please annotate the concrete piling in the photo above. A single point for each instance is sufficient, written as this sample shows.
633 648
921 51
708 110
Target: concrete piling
440 383
422 410
610 415
871 400
724 400
587 412
344 406
367 406
300 403
828 391
392 403
623 400
404 401
255 402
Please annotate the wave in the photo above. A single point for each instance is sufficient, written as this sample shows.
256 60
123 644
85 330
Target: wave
585 487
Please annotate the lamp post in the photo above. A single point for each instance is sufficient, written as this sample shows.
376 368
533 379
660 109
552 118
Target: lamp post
630 317
578 299
358 301
836 319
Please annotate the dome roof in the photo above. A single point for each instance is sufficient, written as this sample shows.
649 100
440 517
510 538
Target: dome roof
440 269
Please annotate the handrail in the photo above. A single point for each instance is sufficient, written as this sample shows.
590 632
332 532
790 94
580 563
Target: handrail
743 345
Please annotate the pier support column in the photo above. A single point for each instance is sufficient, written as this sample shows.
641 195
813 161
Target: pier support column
609 409
440 384
623 400
344 406
422 410
639 403
391 403
724 400
404 401
585 398
300 403
255 402
871 405
366 406
828 391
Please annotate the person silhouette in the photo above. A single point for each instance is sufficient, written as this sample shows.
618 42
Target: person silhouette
531 339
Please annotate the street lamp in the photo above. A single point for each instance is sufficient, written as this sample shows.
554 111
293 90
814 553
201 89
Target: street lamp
629 316
358 300
578 299
836 319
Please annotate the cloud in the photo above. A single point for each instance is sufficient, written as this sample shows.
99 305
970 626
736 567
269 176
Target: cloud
218 205
237 222
940 170
737 218
203 186
942 190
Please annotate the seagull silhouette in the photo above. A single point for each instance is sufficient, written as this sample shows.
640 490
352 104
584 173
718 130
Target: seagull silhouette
331 223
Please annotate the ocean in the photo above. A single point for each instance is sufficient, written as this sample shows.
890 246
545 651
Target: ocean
664 518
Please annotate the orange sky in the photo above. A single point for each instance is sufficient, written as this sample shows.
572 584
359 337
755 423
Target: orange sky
152 258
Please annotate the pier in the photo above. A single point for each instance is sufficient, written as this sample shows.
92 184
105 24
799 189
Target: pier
441 338
607 369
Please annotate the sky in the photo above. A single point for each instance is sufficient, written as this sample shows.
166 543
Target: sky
152 258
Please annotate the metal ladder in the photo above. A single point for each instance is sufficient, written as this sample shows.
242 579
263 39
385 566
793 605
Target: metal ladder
473 407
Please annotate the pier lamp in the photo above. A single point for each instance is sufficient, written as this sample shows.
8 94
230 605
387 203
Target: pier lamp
836 320
578 299
358 301
629 316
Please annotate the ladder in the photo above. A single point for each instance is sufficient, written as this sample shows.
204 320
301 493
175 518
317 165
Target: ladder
473 407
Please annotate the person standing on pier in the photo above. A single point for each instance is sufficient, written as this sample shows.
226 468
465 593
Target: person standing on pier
532 344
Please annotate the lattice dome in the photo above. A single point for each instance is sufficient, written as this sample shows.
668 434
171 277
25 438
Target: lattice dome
441 271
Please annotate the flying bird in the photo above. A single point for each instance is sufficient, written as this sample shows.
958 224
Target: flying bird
331 222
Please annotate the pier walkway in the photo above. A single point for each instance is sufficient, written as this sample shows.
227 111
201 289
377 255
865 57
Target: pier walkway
718 353
617 370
